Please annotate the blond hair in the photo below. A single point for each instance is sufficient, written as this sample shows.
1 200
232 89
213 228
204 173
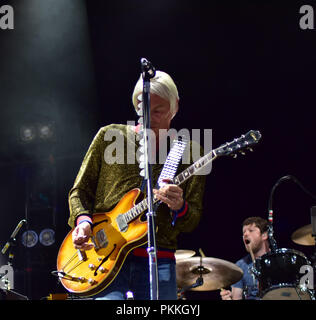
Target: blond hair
163 86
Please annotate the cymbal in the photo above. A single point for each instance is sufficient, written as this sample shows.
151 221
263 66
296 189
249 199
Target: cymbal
216 273
303 236
184 254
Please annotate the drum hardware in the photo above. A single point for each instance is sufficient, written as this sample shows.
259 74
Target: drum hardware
199 282
184 254
255 271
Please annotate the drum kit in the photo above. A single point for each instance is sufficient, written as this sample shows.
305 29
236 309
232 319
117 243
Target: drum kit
287 274
282 274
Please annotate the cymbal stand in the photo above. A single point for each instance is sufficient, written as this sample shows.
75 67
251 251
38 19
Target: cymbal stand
199 281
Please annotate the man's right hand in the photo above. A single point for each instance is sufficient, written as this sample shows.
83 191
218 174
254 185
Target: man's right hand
226 294
81 236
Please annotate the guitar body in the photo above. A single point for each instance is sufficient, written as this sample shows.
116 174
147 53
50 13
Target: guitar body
86 273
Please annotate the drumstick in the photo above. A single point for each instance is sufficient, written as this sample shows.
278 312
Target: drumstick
202 253
250 251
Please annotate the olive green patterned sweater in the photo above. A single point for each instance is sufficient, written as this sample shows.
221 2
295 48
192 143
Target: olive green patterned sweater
100 184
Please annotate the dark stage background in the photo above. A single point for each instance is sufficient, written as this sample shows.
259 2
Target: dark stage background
238 66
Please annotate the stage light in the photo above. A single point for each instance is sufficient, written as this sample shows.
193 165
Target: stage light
45 131
27 133
36 132
47 237
29 238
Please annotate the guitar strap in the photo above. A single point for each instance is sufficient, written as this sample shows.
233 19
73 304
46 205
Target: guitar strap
171 164
173 159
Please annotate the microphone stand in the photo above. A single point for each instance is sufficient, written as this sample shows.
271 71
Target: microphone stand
272 242
313 222
148 72
270 227
12 241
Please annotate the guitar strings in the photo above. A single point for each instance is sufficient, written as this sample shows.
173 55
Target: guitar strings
75 266
70 260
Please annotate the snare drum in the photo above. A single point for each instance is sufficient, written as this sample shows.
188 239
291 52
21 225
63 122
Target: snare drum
279 275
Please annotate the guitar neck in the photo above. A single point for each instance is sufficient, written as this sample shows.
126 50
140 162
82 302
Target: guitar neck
179 179
245 141
195 168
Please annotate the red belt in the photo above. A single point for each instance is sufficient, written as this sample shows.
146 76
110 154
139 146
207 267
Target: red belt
142 252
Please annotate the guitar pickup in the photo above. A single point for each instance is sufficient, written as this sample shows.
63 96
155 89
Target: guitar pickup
100 240
121 223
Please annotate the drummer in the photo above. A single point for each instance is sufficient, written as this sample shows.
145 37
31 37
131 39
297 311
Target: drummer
255 238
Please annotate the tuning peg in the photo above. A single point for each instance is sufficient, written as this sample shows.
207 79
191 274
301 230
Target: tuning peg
242 153
234 155
250 149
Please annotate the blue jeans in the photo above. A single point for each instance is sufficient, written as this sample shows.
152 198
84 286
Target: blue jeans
134 277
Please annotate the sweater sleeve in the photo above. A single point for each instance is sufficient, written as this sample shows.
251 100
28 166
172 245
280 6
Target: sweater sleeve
82 195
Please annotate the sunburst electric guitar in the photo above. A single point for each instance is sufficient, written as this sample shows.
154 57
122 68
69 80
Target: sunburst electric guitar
116 233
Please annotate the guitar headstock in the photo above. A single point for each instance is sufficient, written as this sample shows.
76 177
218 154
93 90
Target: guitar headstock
244 142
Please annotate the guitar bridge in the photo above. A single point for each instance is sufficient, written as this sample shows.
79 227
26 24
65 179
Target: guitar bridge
82 255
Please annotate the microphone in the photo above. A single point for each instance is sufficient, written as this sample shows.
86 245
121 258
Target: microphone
147 68
12 237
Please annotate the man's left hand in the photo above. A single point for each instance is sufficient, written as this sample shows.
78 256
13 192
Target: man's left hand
171 195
